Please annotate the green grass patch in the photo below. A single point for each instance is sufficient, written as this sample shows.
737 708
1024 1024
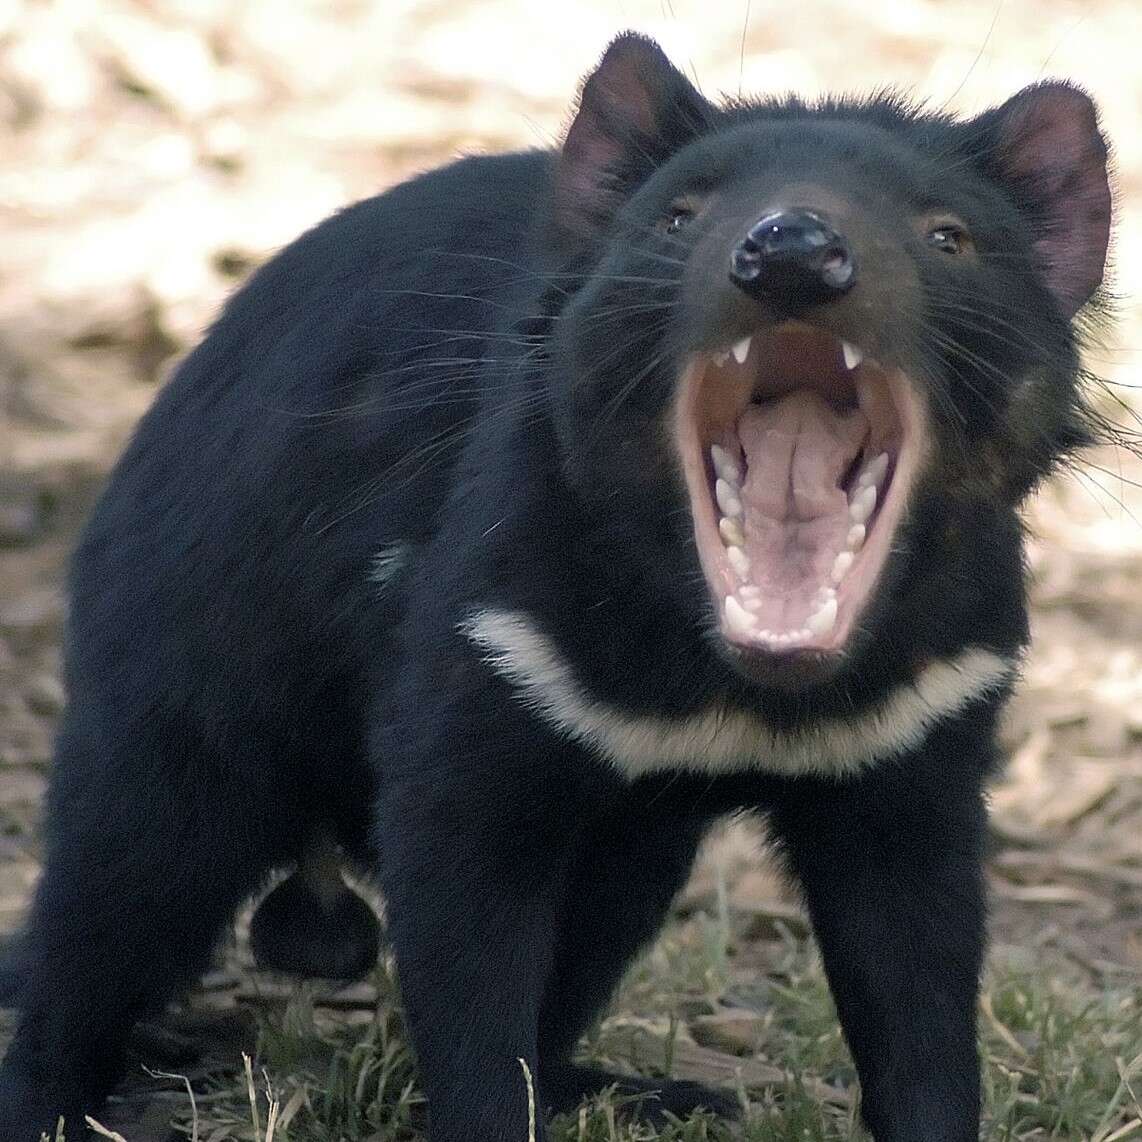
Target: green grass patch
1061 1060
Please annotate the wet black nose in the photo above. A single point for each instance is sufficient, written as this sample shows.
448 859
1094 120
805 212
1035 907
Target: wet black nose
793 259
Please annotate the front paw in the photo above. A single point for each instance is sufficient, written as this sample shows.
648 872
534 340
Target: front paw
646 1100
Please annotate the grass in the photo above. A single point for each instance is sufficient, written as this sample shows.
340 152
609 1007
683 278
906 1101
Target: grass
1061 1060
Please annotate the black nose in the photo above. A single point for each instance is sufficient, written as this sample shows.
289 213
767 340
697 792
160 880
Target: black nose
793 259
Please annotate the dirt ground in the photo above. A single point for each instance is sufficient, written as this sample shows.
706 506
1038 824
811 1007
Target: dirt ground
155 151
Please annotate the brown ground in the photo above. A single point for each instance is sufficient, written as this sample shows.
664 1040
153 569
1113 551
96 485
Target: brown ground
154 151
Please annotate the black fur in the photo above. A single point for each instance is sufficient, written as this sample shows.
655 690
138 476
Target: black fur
467 375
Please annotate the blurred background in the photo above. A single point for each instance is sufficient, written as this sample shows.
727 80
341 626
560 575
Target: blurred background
154 151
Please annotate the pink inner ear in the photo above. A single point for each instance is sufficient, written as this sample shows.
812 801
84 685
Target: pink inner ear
580 187
1050 143
619 112
629 90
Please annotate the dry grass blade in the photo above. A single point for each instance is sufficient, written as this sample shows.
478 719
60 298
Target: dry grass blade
1127 1131
1126 1073
274 1105
272 1120
999 1027
530 1099
189 1094
253 1097
297 1100
102 1130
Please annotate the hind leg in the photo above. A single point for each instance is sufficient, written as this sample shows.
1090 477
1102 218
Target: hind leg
630 867
150 848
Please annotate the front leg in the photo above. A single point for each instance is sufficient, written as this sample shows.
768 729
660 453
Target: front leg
477 814
891 867
629 864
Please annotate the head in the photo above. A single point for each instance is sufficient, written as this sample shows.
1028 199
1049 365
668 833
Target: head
802 332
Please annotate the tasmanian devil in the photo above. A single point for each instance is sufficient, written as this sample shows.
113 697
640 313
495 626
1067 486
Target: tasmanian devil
511 526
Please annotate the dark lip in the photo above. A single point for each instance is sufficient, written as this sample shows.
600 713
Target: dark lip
790 671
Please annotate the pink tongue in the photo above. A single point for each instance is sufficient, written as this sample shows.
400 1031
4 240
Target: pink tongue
797 451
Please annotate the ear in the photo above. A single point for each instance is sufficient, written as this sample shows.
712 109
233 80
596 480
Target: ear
1044 143
635 110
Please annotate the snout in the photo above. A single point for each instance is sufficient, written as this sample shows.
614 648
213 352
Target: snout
793 259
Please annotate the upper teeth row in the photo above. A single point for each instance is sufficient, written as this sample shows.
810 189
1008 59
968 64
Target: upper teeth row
740 351
740 606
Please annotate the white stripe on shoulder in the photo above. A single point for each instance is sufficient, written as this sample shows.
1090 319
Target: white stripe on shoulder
722 740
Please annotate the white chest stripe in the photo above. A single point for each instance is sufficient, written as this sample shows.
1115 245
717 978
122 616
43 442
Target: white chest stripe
720 740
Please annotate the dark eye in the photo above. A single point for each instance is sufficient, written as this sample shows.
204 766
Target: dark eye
950 239
680 213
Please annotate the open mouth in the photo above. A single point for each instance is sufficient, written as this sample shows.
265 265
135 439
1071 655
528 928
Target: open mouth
799 455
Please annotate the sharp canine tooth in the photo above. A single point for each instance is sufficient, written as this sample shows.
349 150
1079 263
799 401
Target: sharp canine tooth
874 471
725 465
737 617
853 356
862 504
855 537
823 621
741 350
727 496
731 532
841 565
721 358
739 561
